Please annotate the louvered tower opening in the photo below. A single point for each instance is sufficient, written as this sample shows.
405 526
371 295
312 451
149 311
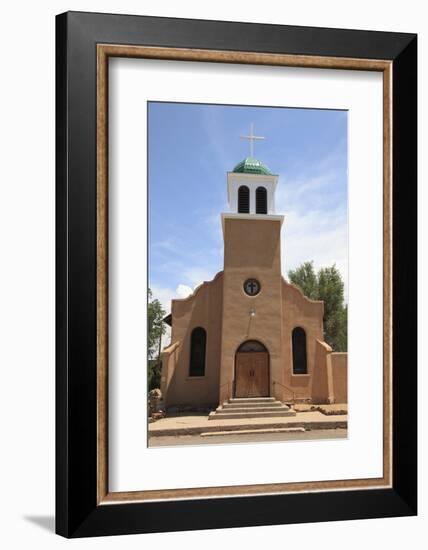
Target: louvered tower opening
243 200
261 200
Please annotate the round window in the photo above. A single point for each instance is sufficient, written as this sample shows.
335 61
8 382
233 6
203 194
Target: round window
251 287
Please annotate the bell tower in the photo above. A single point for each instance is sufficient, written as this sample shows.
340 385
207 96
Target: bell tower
252 281
251 185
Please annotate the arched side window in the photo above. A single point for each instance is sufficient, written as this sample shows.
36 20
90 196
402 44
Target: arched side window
299 351
198 341
261 200
243 200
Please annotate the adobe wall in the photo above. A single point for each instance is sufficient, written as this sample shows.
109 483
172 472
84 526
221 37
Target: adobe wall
223 309
339 366
252 250
202 309
322 383
299 311
330 380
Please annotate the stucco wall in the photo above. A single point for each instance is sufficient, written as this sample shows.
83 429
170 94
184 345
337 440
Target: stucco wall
202 309
322 383
252 249
223 309
299 311
330 380
339 367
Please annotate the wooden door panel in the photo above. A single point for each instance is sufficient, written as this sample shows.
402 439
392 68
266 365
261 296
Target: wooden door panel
252 374
244 378
261 369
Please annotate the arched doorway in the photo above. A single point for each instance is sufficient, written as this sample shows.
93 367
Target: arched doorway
252 370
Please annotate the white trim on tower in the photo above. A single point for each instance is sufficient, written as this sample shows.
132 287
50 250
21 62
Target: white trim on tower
252 181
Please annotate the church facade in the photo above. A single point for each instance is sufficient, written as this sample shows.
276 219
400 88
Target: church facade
248 333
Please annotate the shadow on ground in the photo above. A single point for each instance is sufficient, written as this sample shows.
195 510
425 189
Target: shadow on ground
45 522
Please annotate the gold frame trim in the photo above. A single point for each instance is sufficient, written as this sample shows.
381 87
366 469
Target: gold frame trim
104 51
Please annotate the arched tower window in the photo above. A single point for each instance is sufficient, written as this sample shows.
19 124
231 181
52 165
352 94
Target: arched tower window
243 200
198 341
261 200
299 351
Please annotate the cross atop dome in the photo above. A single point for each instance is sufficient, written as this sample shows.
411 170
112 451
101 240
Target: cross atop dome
251 185
252 138
251 165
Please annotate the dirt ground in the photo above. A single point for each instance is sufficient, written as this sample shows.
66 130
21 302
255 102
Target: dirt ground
173 441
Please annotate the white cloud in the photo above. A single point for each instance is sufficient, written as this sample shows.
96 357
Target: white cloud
196 275
165 295
169 244
183 291
326 247
313 230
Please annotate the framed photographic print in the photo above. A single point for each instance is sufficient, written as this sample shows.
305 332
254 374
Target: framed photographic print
236 274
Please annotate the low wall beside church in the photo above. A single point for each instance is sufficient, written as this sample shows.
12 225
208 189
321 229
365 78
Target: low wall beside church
339 367
330 379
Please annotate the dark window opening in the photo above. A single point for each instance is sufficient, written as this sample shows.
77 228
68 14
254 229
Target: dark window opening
299 351
261 200
243 200
198 342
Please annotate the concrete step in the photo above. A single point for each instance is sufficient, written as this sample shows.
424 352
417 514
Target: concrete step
254 432
224 415
252 399
261 408
270 404
251 407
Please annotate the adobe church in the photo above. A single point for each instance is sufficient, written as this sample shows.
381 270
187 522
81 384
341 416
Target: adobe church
248 334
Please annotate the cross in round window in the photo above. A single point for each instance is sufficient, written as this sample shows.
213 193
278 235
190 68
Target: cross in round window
252 287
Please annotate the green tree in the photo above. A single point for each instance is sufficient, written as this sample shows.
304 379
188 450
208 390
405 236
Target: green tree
342 334
326 285
305 278
330 291
155 329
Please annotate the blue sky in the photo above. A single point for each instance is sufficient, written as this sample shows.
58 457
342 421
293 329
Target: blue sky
192 147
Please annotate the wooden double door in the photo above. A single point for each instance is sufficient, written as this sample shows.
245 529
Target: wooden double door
252 374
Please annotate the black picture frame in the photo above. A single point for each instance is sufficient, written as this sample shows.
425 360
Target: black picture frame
77 512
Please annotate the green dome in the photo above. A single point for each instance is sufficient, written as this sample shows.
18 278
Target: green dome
250 165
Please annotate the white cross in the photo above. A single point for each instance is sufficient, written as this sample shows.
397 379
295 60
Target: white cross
252 138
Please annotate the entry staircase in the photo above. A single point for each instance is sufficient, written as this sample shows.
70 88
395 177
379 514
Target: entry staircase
251 407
